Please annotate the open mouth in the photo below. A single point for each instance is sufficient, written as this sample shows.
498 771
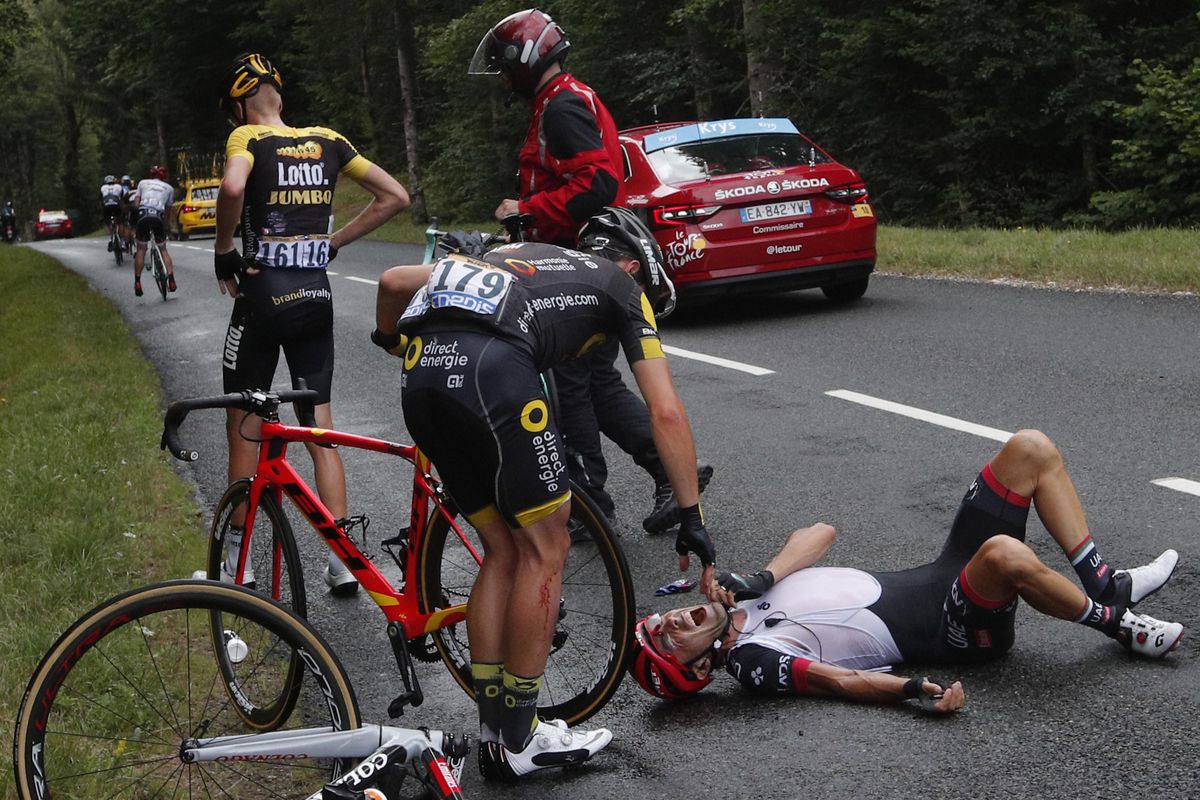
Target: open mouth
698 614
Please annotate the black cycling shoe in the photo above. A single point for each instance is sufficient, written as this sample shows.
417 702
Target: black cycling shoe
171 283
137 288
666 511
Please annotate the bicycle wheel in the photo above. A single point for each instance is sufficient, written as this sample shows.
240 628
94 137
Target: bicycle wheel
160 271
109 707
118 249
590 649
275 561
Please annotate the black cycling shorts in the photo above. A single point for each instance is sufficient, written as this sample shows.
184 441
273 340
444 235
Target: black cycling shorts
150 224
931 614
254 339
475 405
112 212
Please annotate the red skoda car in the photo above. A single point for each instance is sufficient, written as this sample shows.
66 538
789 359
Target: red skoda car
750 205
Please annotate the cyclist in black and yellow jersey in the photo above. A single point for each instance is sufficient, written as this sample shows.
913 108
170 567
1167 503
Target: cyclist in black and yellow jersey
279 183
480 332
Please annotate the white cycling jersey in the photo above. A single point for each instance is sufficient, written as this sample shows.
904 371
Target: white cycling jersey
110 194
821 614
154 196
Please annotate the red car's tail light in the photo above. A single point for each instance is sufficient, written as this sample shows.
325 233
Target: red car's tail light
666 216
849 193
41 226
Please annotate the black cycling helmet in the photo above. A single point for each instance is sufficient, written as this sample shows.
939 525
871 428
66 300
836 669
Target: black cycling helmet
522 46
246 76
618 233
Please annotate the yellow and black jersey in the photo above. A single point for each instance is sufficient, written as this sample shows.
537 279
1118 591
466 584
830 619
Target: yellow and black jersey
556 303
287 218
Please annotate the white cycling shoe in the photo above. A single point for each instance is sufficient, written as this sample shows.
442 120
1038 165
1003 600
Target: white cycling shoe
341 581
1147 636
1136 584
553 745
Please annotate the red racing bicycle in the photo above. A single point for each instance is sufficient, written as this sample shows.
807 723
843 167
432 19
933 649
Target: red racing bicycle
437 554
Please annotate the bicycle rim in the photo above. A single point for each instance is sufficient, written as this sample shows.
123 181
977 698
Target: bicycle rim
272 570
108 708
118 249
591 641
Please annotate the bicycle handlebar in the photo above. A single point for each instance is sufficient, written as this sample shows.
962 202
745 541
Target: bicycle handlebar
261 403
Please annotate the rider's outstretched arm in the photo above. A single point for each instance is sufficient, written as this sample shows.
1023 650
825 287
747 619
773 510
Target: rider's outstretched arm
396 289
803 548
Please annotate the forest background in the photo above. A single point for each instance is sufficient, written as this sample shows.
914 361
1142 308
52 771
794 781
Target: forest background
958 113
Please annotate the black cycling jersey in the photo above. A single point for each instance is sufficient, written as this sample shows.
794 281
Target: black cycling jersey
287 214
554 302
480 332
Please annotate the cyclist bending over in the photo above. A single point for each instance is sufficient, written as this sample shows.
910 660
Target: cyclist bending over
153 197
801 629
479 332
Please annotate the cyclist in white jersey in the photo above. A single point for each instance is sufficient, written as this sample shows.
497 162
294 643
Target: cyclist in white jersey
153 197
110 202
798 629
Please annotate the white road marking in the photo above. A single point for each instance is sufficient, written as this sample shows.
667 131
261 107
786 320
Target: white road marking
329 272
923 415
1179 485
362 280
717 361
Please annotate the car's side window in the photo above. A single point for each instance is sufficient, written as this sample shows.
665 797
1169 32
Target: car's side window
625 159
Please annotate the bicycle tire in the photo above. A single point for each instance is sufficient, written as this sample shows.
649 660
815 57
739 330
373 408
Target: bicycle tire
118 249
160 271
279 576
585 670
109 706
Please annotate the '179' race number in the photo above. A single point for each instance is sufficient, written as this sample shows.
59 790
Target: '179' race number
471 286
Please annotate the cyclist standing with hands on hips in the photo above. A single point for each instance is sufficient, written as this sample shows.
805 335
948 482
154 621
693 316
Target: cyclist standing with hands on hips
153 196
569 168
474 335
279 183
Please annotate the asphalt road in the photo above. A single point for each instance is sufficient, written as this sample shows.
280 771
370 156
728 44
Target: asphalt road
1113 378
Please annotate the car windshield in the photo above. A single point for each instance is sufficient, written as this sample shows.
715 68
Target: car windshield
707 159
201 193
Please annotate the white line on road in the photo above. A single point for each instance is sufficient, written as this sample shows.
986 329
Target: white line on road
720 362
362 280
923 415
1179 485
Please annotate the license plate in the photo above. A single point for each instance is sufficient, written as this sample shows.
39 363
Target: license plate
786 208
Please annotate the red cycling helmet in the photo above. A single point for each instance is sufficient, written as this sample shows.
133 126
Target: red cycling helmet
658 672
522 46
158 171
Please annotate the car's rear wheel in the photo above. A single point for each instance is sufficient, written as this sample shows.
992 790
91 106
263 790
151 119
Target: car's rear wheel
846 292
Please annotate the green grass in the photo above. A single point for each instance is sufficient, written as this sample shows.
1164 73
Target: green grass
89 506
1153 259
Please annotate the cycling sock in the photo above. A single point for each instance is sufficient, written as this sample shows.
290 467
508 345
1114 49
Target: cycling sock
1103 618
489 696
520 713
233 547
1093 571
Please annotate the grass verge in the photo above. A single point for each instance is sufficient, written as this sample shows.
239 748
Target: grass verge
89 506
1149 260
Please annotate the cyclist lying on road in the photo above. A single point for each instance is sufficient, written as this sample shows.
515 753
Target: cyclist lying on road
481 330
801 629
